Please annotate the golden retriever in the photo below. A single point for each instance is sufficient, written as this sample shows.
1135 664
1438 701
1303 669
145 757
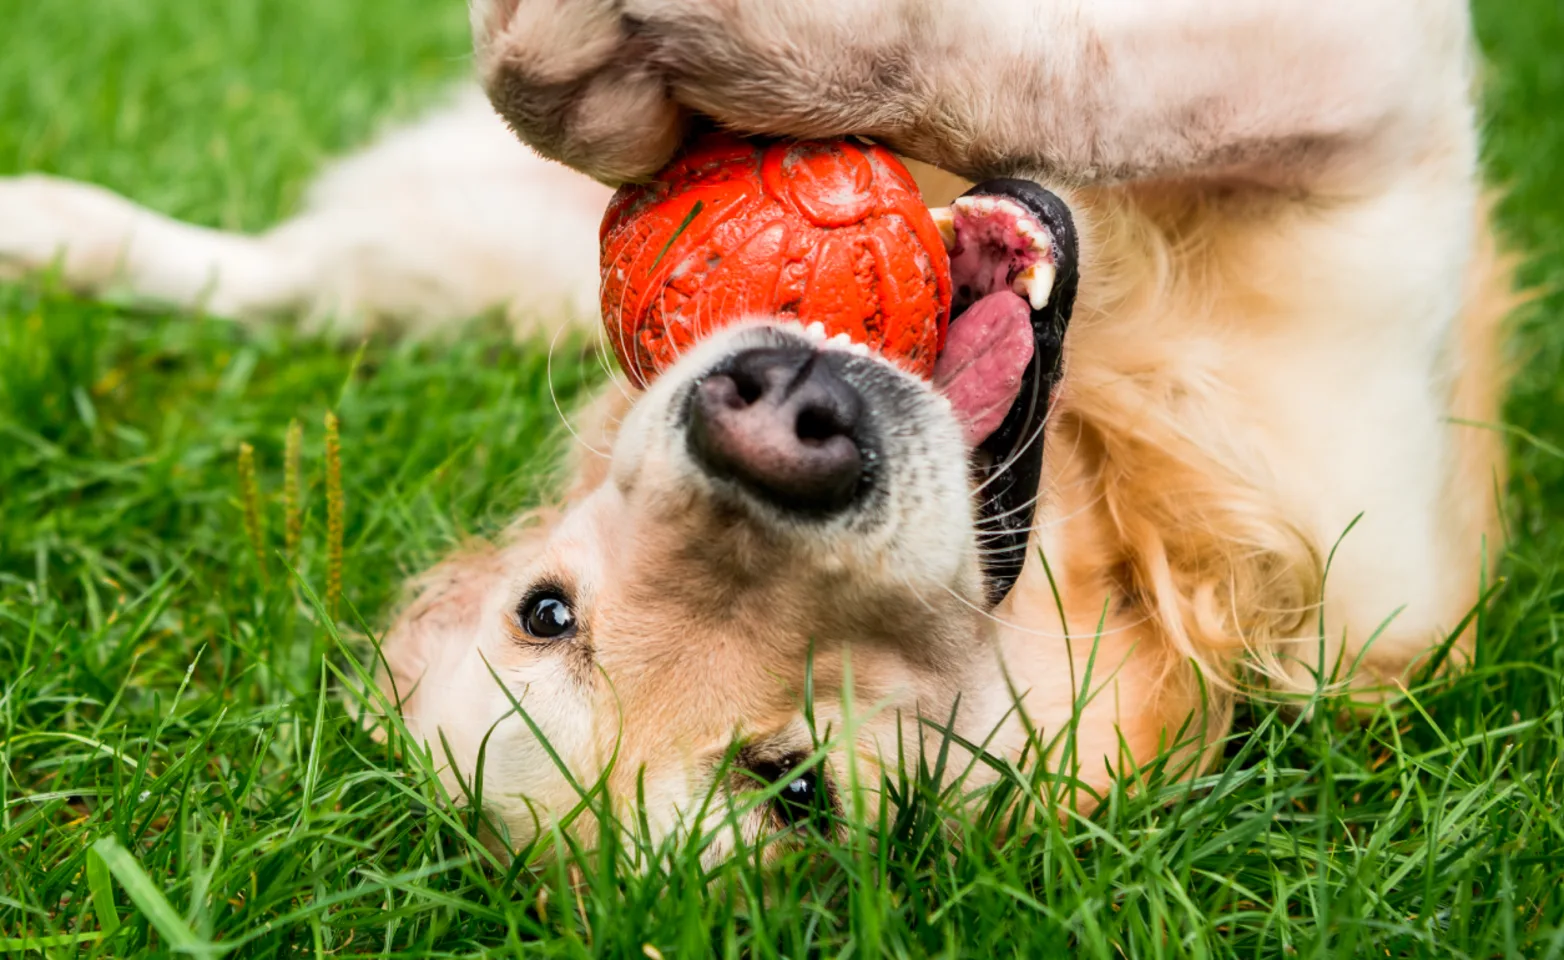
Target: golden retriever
1285 330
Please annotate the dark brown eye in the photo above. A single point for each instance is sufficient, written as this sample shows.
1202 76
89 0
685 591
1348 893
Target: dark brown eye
548 616
805 797
801 799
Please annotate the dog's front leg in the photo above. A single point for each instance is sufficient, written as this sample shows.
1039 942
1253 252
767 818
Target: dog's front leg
1285 92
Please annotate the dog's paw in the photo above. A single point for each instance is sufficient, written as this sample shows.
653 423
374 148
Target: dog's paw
607 86
572 78
46 221
803 68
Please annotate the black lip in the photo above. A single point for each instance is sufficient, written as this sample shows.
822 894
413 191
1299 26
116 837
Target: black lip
1009 468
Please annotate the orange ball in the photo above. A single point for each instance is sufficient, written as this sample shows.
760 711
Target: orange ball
832 232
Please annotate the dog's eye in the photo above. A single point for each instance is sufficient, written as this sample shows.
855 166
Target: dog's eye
805 796
547 616
800 800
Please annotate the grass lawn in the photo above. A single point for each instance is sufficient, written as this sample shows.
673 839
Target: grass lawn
176 765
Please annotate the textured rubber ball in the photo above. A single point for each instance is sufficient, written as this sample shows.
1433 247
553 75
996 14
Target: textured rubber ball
832 232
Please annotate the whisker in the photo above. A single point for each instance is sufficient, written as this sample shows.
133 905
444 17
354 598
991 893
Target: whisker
1037 527
991 519
619 334
548 375
662 318
1016 454
1011 625
981 521
600 350
916 592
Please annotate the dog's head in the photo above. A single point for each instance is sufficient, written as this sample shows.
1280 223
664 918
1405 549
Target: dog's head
782 551
777 515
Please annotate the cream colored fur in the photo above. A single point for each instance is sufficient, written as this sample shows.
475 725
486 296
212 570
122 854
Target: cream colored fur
1288 314
435 222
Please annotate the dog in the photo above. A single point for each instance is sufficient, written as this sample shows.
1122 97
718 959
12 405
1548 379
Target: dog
1266 467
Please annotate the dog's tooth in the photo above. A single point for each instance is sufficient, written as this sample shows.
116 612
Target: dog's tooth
1038 237
815 331
1036 284
945 220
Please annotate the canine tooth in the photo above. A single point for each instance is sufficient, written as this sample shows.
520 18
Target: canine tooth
945 220
1036 284
815 331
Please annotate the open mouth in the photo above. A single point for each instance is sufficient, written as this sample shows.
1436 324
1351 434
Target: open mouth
1014 272
786 420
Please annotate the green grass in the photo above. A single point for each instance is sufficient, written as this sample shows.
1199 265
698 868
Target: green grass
176 766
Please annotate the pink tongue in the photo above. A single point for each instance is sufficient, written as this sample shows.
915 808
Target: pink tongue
985 357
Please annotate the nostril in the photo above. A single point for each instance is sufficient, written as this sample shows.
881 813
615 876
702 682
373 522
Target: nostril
747 387
785 424
729 392
816 425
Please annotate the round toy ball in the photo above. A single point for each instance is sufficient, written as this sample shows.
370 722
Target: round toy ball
828 232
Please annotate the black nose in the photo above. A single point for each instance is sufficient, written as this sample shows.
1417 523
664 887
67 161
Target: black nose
784 423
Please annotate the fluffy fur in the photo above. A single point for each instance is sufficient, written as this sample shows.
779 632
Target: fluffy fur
1287 324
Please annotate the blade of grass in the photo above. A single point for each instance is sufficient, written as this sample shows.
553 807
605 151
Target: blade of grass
144 893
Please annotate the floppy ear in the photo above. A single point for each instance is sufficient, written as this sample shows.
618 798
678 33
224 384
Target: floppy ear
444 615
